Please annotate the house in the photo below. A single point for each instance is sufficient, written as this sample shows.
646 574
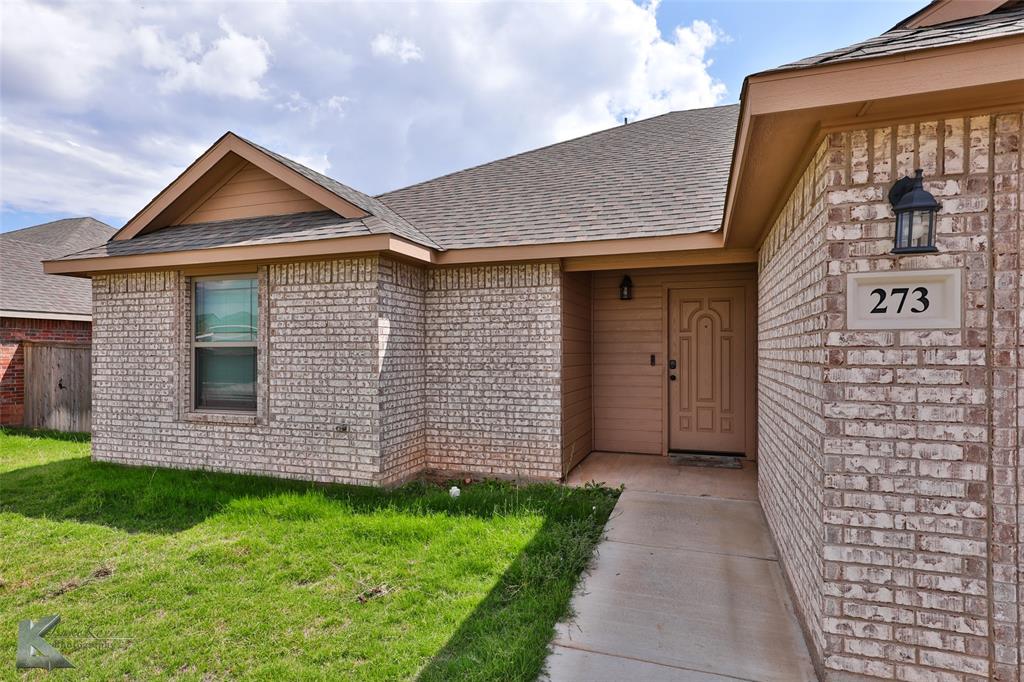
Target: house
36 308
726 279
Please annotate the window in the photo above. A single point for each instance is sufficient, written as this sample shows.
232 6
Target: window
226 320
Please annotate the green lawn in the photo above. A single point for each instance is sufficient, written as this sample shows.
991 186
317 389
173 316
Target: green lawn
187 575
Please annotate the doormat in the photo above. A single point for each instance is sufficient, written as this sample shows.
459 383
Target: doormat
694 459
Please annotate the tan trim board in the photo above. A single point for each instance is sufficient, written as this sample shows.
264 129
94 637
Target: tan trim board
984 62
606 247
949 10
411 250
721 256
230 254
690 249
1012 103
30 315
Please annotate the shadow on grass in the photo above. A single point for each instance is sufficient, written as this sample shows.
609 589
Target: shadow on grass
504 638
144 499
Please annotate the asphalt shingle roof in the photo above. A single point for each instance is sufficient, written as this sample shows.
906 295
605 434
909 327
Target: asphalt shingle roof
296 227
1000 23
665 175
23 285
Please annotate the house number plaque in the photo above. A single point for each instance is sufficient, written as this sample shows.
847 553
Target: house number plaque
914 299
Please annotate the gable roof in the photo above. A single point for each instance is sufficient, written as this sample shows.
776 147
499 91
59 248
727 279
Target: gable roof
665 175
24 290
224 156
1006 21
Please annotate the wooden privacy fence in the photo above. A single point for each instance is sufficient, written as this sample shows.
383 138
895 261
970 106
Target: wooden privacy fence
58 386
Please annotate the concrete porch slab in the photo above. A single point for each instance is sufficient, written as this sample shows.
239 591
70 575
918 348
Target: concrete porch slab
655 473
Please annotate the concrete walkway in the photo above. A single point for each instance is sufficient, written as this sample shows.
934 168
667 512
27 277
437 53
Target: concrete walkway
684 587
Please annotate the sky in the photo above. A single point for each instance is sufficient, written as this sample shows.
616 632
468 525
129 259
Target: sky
102 104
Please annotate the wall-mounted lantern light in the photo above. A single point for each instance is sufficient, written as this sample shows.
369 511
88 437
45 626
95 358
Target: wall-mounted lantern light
915 210
626 289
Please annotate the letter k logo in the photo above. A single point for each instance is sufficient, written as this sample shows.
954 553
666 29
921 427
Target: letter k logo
33 651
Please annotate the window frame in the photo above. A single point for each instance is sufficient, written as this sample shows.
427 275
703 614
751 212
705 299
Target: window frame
192 407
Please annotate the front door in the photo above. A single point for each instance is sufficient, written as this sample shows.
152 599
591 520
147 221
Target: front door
706 388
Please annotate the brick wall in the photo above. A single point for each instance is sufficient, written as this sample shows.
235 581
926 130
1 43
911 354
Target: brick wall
370 371
921 455
13 331
319 376
493 342
402 364
791 361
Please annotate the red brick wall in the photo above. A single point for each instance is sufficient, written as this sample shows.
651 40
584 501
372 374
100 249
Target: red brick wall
13 331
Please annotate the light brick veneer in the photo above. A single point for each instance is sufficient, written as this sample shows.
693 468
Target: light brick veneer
370 371
921 452
791 365
401 356
493 370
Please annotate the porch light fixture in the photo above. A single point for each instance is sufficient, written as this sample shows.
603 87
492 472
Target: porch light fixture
915 210
626 289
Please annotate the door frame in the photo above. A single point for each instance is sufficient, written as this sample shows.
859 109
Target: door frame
746 278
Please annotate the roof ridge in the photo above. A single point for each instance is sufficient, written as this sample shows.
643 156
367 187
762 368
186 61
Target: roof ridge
546 147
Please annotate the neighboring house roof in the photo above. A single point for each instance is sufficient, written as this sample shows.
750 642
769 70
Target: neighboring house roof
240 232
1000 23
23 286
665 175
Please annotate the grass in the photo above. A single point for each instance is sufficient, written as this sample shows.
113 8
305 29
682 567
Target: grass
192 575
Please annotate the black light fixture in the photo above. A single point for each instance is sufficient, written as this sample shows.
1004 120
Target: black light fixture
915 210
626 289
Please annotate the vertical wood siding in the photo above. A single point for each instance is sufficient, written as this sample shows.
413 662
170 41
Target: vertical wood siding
577 413
248 193
630 395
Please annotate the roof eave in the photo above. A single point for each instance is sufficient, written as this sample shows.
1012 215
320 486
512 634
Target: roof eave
386 244
784 112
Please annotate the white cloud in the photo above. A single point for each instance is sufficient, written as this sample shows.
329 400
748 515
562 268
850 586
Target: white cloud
106 102
232 66
68 170
46 53
402 49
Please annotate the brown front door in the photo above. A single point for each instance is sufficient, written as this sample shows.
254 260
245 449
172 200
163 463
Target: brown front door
707 342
